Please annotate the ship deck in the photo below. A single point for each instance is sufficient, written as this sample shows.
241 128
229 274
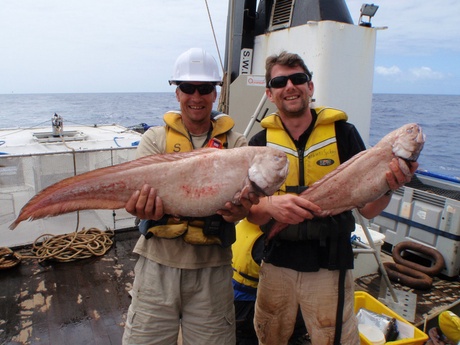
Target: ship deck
444 294
85 301
78 302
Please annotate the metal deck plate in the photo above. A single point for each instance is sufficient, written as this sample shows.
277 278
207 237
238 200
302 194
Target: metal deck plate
407 302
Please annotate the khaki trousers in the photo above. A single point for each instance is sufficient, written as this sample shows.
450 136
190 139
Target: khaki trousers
282 290
164 299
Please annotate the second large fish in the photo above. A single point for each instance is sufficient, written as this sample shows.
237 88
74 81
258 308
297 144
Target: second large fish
362 178
191 184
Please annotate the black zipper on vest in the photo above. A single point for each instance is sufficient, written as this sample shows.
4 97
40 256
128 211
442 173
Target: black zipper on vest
300 153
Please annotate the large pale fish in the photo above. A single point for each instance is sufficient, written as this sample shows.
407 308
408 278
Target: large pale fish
362 178
190 184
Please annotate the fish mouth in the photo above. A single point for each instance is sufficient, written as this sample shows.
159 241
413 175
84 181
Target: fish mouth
411 158
258 190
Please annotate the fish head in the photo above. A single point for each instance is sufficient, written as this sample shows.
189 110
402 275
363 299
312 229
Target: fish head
268 171
408 142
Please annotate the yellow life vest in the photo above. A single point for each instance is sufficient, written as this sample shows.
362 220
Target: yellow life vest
320 155
245 269
178 140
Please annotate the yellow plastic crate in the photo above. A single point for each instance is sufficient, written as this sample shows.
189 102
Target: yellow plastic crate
364 300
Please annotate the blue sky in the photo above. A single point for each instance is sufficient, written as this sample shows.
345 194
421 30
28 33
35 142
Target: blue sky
420 51
58 46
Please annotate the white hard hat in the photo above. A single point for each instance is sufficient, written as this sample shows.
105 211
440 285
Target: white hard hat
195 65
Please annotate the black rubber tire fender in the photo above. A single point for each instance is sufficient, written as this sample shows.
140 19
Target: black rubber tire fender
437 257
408 276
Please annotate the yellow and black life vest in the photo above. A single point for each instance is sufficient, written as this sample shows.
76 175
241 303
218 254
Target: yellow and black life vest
320 155
178 140
319 158
245 268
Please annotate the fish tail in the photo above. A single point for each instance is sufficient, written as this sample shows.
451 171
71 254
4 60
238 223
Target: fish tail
75 193
40 210
14 224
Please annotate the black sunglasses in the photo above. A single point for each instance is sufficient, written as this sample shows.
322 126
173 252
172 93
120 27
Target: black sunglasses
296 79
203 89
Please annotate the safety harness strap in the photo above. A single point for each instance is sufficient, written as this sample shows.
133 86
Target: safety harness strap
206 230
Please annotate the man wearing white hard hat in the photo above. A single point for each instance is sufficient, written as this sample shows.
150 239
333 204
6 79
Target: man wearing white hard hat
183 275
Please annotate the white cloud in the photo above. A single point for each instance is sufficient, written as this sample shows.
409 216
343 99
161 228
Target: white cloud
388 71
121 46
413 74
101 46
425 73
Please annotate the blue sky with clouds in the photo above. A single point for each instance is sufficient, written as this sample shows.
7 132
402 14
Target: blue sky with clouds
130 46
420 50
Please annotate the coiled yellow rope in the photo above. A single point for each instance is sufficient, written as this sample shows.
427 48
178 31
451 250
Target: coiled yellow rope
74 246
8 258
63 248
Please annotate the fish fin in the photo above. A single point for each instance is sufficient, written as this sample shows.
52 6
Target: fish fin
172 157
163 157
94 174
237 197
248 187
33 211
404 167
41 205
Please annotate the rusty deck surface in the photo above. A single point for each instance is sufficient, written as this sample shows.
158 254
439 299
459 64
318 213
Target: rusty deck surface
85 302
81 302
444 294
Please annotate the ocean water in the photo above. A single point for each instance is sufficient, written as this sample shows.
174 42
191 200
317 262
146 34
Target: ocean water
439 116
